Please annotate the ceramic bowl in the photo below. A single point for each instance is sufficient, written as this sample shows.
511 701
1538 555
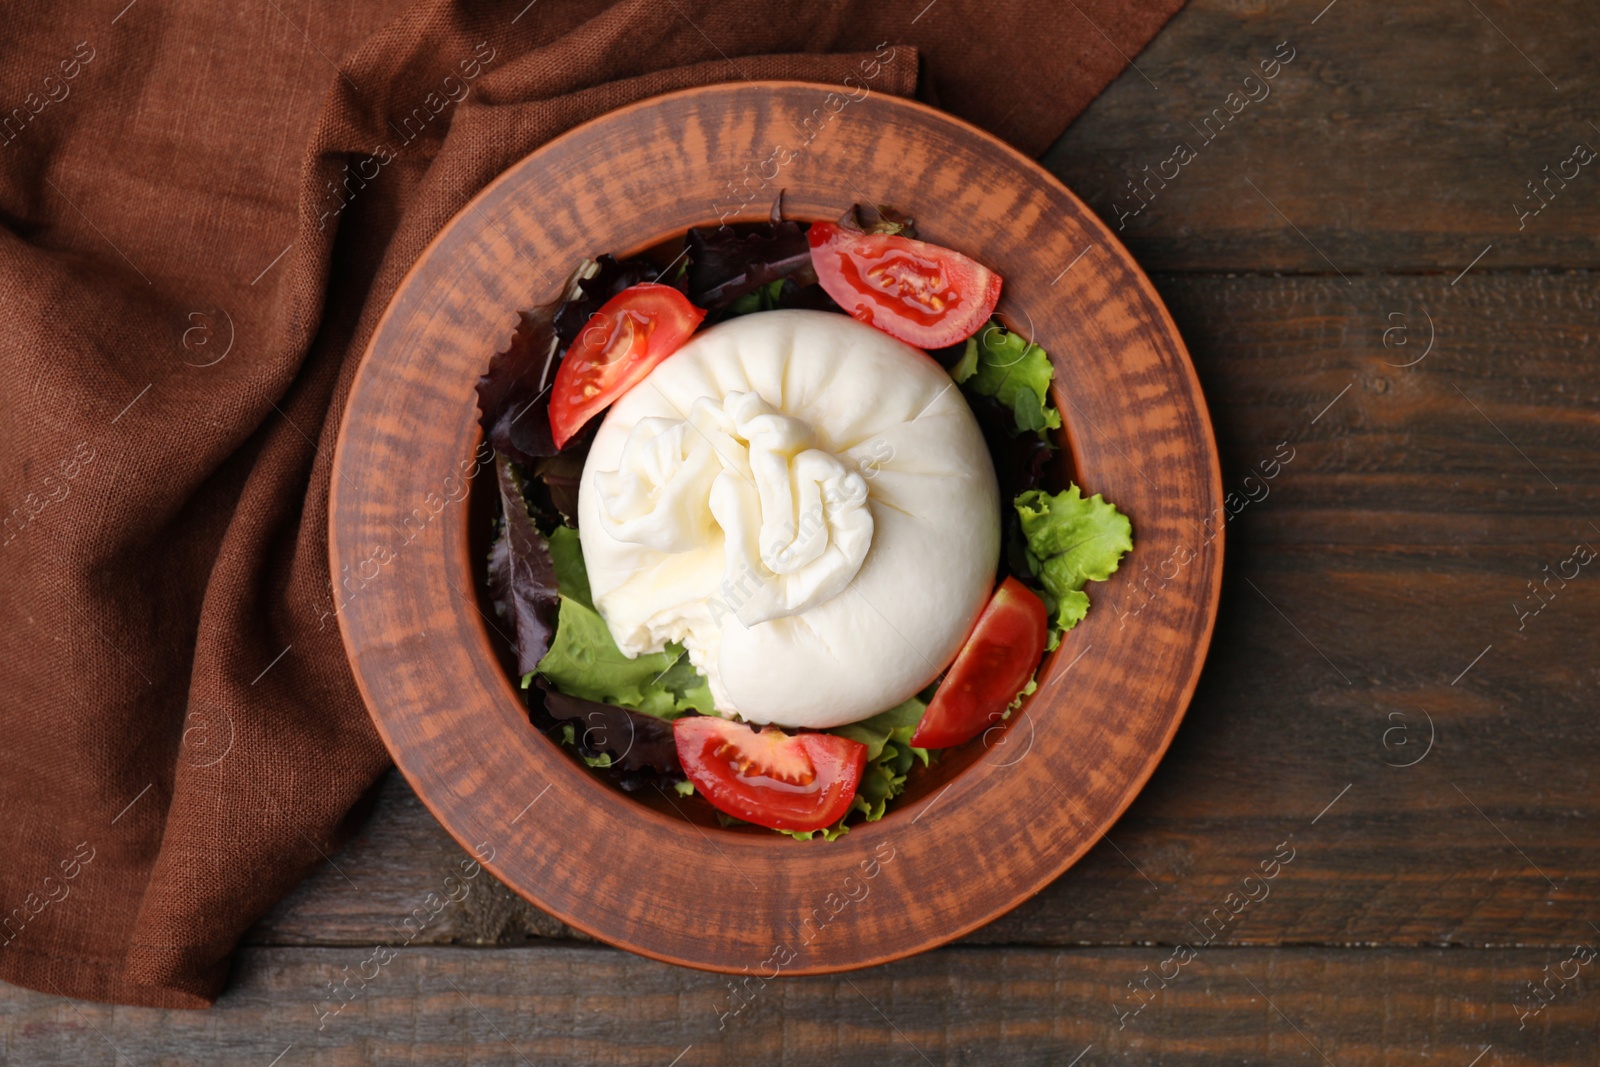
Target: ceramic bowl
987 826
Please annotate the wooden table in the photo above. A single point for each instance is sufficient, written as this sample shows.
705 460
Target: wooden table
1382 704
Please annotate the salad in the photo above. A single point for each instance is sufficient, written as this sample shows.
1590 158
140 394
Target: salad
777 519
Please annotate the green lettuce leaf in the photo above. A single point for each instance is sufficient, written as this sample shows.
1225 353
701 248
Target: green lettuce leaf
1027 691
765 298
1002 365
1071 540
890 757
584 661
569 737
967 365
572 577
876 731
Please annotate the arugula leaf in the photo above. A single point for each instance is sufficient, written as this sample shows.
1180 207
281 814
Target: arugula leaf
1071 540
522 578
1000 364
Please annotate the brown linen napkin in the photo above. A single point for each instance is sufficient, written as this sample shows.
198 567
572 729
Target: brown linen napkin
188 275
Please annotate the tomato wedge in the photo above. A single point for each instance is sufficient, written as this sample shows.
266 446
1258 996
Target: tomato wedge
994 665
622 342
771 778
920 293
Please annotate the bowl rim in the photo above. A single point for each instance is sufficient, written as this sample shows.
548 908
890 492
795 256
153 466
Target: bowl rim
1205 434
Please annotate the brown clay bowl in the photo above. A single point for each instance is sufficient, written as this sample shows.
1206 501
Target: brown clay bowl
986 827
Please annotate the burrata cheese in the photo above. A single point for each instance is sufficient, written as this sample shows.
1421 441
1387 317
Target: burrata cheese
803 501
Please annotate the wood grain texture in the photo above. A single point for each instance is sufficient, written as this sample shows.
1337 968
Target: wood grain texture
980 1007
1397 539
419 642
1397 139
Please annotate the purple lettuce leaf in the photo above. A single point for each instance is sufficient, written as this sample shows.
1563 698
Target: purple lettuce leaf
727 262
514 394
554 480
522 577
878 219
640 747
592 285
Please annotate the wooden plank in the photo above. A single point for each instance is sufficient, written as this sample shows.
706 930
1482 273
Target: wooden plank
385 875
1399 137
1386 559
595 1006
1395 544
1503 399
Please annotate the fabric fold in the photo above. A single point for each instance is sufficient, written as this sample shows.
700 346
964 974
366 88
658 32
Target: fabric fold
203 212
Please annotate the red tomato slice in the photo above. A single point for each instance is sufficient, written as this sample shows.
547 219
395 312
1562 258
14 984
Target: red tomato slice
994 665
623 341
920 293
771 778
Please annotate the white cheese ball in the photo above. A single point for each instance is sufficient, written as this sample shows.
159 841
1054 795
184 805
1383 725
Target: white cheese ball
803 501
